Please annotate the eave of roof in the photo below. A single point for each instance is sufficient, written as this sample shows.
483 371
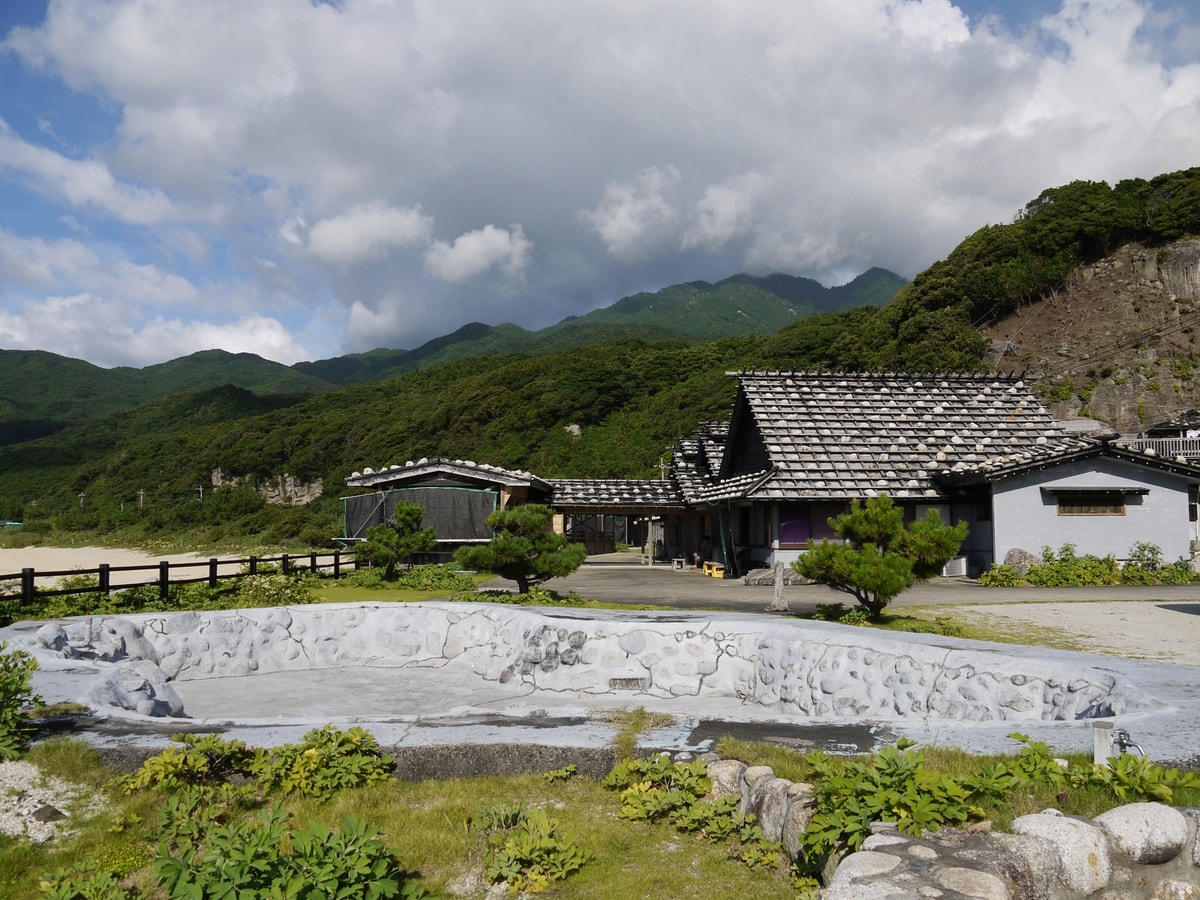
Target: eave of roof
579 494
462 468
1007 468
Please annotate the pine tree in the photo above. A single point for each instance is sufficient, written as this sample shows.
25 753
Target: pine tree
524 549
396 541
879 558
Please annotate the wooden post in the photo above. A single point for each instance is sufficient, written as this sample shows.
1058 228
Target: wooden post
27 587
105 579
286 564
312 563
212 573
164 579
254 565
337 564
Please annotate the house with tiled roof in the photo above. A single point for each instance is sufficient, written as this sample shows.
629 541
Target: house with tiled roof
979 449
800 446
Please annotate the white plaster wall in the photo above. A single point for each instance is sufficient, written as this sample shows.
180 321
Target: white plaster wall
1026 518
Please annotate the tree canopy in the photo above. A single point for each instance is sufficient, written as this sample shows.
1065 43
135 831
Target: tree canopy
879 558
396 541
524 549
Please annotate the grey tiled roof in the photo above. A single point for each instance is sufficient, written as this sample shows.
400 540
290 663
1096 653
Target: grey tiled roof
1002 467
834 436
697 460
464 468
571 493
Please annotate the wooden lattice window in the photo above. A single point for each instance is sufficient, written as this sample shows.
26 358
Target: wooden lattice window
1091 504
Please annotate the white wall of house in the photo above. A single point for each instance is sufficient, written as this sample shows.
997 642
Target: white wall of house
1027 517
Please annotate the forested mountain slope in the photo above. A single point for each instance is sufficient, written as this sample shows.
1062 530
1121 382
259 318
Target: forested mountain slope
42 393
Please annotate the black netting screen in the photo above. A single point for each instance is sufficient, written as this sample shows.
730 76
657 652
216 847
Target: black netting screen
455 514
362 512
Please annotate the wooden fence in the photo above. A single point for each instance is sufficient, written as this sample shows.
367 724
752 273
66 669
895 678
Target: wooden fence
33 583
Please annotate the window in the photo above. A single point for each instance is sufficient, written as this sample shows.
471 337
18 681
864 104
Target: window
1091 504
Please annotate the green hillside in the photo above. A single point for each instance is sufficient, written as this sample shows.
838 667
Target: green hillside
631 399
44 393
741 305
696 312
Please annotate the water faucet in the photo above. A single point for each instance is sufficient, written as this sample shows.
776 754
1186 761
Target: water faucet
1122 742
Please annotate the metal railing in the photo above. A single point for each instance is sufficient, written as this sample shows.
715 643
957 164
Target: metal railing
1170 448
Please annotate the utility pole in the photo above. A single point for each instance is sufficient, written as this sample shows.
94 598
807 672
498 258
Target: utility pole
201 490
140 493
81 498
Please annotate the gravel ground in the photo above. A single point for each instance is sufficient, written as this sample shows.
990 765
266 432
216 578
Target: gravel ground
1169 632
35 805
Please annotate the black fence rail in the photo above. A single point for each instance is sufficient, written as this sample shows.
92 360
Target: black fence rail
32 583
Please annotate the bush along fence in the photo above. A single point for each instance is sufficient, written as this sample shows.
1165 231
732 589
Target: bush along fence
32 584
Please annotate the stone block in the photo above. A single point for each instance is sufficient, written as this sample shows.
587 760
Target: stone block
1084 861
726 778
1145 833
768 803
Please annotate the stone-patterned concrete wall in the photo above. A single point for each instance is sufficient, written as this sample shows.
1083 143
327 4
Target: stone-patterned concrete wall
798 668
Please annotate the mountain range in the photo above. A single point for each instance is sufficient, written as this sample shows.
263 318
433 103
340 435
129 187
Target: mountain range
42 393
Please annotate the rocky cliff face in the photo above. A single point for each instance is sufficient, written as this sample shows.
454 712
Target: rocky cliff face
1118 343
280 490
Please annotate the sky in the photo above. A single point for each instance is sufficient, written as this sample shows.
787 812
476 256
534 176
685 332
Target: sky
302 180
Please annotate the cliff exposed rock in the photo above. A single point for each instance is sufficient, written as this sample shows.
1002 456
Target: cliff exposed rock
1118 343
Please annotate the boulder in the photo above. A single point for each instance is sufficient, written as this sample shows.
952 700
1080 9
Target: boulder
1145 833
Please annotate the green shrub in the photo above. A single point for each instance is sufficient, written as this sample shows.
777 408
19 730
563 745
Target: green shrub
524 850
1066 569
894 785
435 578
660 788
16 696
328 761
370 579
81 883
270 859
829 612
1002 575
201 760
272 590
1145 566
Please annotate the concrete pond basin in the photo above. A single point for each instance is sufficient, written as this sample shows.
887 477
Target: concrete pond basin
440 673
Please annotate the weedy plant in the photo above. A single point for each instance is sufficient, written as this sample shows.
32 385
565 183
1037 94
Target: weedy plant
523 848
16 698
660 788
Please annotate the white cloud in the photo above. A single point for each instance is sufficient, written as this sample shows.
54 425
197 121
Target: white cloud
698 137
81 183
477 251
111 333
367 231
725 211
71 265
633 217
